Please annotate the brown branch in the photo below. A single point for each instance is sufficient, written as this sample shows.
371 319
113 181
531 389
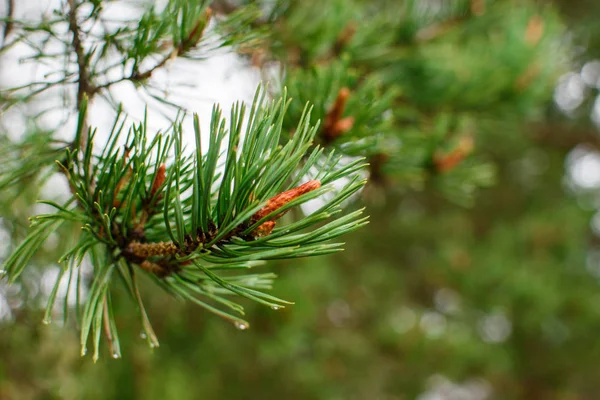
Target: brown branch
84 87
10 12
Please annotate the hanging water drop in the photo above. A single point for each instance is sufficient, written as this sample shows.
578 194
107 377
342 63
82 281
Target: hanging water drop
47 321
116 355
83 351
143 335
276 308
241 325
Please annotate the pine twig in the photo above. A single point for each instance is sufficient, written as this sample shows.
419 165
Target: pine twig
183 47
84 86
204 229
10 12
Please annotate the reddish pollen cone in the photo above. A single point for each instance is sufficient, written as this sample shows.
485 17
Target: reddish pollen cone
278 201
333 124
159 179
447 162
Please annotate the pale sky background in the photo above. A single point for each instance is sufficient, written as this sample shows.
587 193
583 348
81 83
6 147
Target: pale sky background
222 78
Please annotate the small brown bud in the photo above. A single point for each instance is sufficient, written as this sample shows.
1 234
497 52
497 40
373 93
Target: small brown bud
278 201
534 30
159 179
447 162
334 125
345 36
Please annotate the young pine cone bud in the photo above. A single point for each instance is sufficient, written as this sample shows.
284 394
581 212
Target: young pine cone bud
159 179
334 125
278 201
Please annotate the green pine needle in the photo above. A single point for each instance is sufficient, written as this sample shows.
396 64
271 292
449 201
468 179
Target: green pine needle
189 222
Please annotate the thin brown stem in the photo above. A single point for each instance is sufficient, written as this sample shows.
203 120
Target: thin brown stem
84 87
10 12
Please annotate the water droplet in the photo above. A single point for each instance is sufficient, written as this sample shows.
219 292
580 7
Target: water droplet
143 335
116 355
276 308
83 351
152 345
241 325
46 321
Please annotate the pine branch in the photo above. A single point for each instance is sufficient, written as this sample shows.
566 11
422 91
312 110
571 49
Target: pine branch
179 219
8 24
84 86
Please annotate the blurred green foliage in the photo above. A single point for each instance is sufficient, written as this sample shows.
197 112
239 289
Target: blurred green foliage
496 301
